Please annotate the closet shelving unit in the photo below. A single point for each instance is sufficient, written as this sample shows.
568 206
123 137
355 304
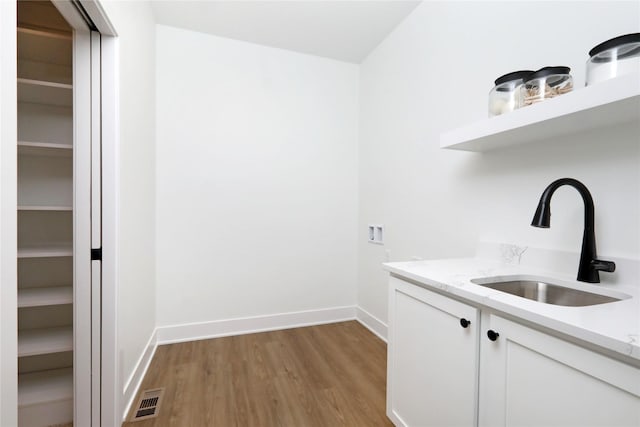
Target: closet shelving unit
45 216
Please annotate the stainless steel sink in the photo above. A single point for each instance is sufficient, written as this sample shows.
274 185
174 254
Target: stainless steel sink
547 293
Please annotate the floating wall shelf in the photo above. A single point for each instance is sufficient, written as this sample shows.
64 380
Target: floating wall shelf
611 102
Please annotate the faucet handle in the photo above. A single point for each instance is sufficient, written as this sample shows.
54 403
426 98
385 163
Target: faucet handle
608 266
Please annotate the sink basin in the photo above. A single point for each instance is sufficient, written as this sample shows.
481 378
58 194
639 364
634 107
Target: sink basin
548 293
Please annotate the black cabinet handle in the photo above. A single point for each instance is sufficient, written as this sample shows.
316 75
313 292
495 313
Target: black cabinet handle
492 335
464 322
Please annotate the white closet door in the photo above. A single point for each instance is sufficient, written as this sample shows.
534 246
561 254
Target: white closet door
87 228
87 207
96 227
82 364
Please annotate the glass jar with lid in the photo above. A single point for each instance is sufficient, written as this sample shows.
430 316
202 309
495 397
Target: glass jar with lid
505 95
612 58
546 83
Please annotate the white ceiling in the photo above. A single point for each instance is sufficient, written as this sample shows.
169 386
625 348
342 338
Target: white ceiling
343 30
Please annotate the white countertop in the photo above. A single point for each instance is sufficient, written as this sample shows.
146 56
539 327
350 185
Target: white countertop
614 326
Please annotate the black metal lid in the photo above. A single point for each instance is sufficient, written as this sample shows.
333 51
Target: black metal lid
615 42
549 71
516 75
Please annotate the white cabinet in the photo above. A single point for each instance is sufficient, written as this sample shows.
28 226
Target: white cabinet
529 378
432 359
441 374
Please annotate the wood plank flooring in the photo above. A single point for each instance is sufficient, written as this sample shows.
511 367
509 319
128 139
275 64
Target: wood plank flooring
328 375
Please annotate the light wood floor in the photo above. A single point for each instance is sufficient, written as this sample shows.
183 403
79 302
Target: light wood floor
328 375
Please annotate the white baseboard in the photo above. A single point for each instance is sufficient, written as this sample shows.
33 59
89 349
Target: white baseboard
248 325
140 370
372 323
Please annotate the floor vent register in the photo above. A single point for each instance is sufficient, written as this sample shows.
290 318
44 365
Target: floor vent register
149 405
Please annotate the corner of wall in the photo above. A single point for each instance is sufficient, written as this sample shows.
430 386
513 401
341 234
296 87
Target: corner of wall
134 381
372 323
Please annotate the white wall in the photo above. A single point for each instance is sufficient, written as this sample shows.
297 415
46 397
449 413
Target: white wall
135 25
256 179
433 74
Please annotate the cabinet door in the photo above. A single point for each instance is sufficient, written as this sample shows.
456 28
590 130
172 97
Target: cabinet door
529 378
432 360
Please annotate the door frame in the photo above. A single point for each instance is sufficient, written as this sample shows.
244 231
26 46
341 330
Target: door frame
111 388
8 217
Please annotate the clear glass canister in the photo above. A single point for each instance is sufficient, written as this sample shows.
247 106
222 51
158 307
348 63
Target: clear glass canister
613 58
546 83
505 95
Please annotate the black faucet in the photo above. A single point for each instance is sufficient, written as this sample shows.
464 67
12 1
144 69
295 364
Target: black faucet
589 264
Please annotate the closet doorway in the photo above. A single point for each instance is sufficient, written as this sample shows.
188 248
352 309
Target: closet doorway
61 350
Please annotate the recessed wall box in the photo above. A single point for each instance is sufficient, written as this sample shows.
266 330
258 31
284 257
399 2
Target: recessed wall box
376 234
